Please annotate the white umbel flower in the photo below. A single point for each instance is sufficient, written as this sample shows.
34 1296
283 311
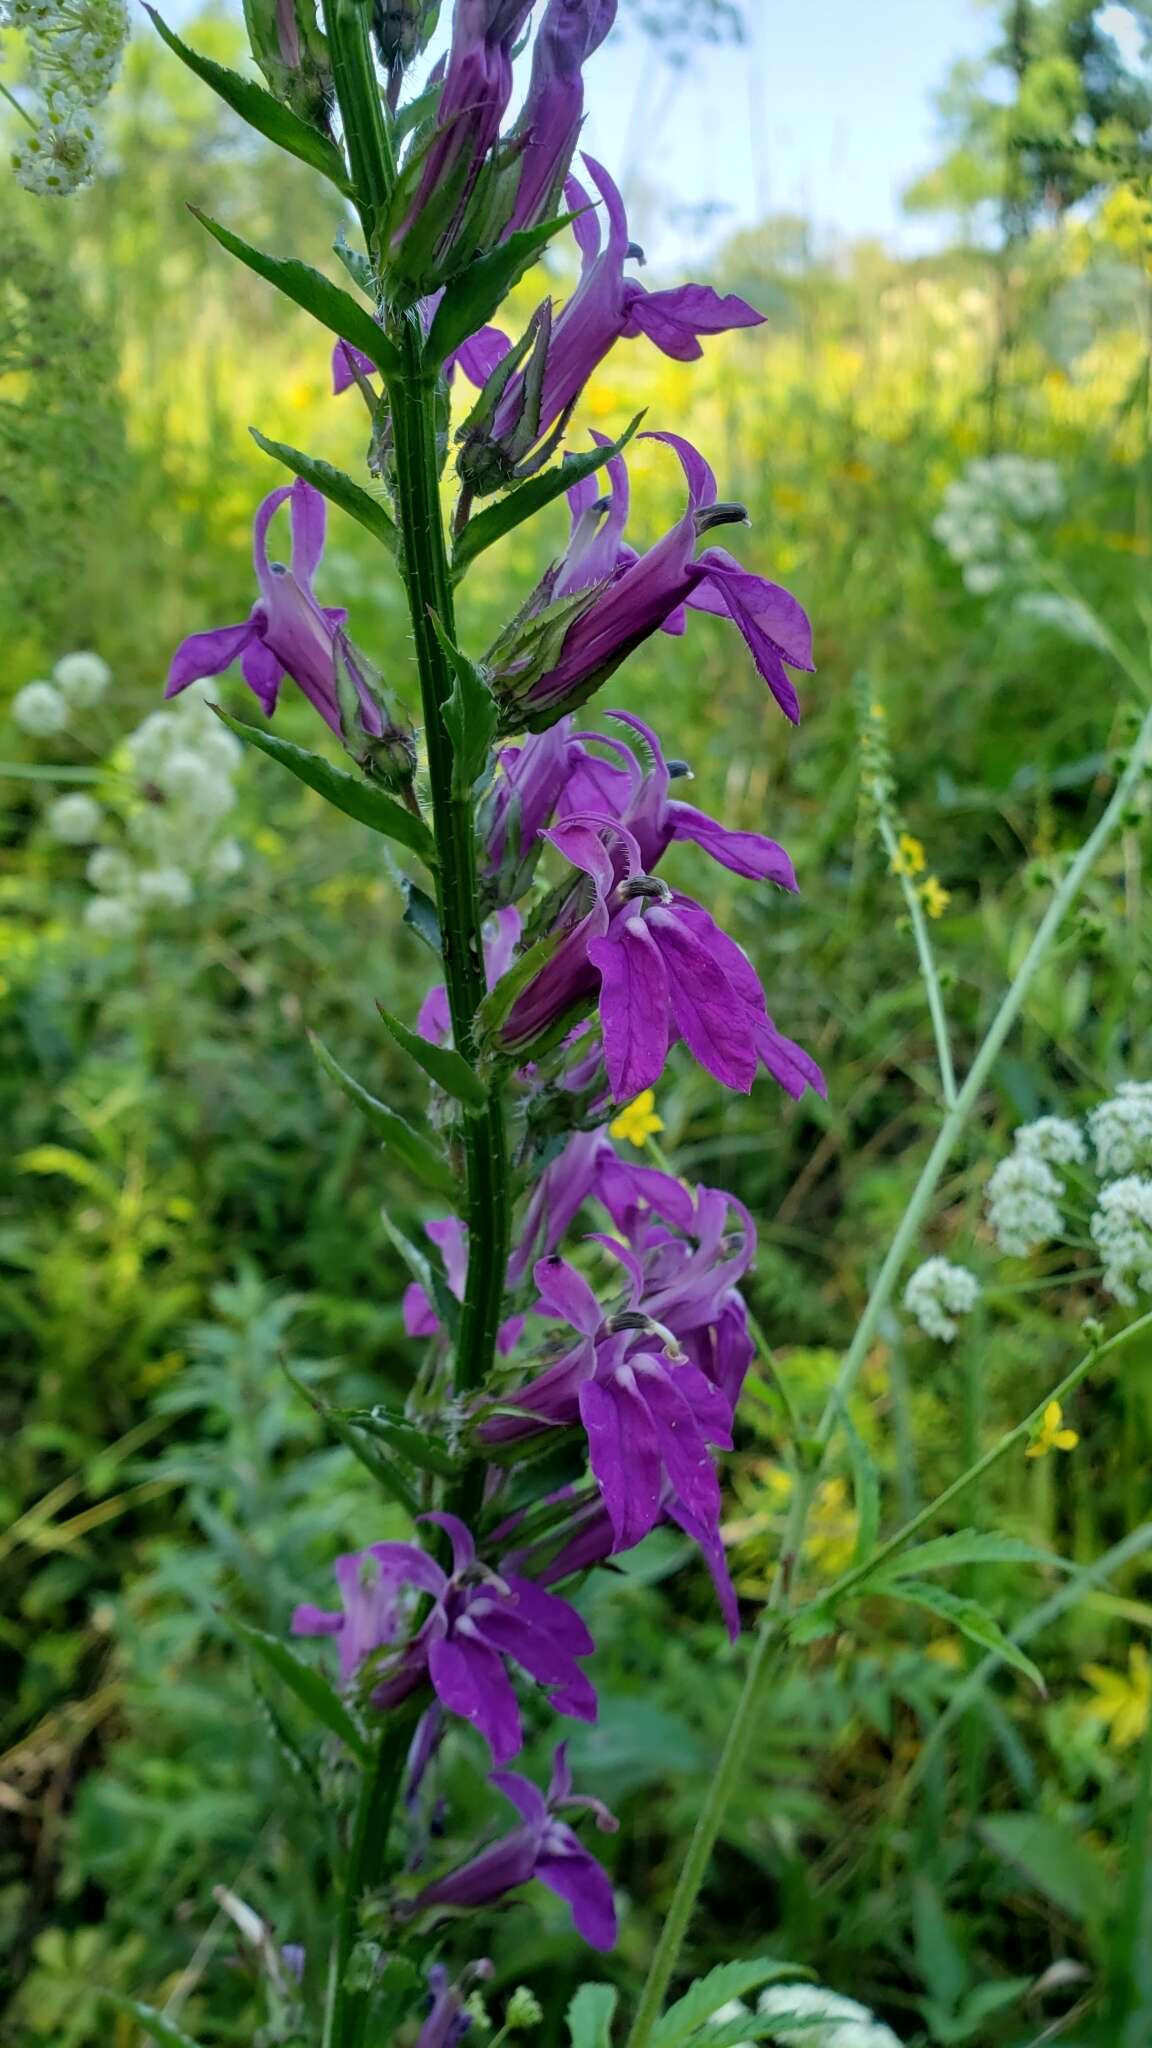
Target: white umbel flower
59 155
75 820
1122 1232
41 709
1122 1129
82 676
167 888
848 2024
1055 1139
1022 1197
937 1293
110 917
110 871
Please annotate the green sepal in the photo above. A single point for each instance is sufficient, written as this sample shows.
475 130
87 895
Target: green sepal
441 1063
356 263
405 1437
334 485
348 793
590 2016
164 2032
312 1690
471 298
394 1132
267 115
309 288
470 715
527 499
499 1000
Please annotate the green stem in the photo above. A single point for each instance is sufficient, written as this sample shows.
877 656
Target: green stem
367 1865
927 960
14 102
371 157
712 1813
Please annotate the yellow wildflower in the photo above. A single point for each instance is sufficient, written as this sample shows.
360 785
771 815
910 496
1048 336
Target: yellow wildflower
877 711
1122 1699
638 1121
909 857
934 896
1051 1435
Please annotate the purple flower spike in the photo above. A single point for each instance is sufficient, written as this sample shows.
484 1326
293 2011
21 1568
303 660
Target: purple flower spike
480 1621
549 127
543 1847
287 632
476 89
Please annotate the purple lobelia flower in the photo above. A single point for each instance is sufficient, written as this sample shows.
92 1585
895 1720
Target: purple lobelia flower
477 357
479 1621
601 601
547 130
500 936
287 632
545 1847
448 2017
450 1237
659 968
370 1614
590 1169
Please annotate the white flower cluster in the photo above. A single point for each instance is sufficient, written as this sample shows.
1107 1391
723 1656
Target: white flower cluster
1054 1139
1122 1233
983 510
1021 1198
937 1293
846 2023
74 48
78 681
1121 1129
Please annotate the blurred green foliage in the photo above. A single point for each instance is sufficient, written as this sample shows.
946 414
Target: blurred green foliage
186 1203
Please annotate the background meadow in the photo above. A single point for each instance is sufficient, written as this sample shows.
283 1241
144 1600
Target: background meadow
185 1206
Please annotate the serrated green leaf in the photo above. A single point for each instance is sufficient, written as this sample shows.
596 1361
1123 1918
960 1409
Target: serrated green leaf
709 1993
471 298
309 288
441 1063
164 2032
469 714
763 2026
312 1690
968 1616
590 2015
267 115
529 498
392 1130
336 487
357 798
965 1546
404 1436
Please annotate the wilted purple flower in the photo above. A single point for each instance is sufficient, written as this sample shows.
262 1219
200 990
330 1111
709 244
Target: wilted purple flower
450 1237
628 598
606 307
543 1847
475 92
660 969
448 2019
479 1621
287 632
548 128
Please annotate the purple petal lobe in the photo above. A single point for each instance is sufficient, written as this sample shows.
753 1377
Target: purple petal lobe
633 1007
207 654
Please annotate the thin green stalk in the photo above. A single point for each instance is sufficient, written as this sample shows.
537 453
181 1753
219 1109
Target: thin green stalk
927 959
367 1865
712 1813
14 102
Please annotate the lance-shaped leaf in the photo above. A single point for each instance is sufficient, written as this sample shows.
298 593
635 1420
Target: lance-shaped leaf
358 799
470 715
529 498
394 1132
334 485
708 1994
441 1063
968 1616
471 298
356 263
373 1460
267 115
164 2032
403 1436
428 1273
590 2016
312 1690
421 917
309 288
964 1547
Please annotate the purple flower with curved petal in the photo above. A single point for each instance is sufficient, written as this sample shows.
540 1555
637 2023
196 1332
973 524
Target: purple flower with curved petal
287 632
590 1168
587 1538
549 126
370 1608
544 1847
479 1622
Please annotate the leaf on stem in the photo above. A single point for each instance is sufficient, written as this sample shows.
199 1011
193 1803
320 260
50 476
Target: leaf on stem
968 1616
470 715
267 115
163 2031
311 1689
471 298
428 1273
965 1546
381 1468
334 485
529 498
358 799
590 2016
709 1993
441 1063
420 916
403 1436
394 1132
309 288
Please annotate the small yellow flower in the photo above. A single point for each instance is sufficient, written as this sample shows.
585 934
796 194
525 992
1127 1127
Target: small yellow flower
638 1121
1051 1435
877 711
934 896
1122 1701
909 857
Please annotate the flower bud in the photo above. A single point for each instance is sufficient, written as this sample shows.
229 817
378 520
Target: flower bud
292 52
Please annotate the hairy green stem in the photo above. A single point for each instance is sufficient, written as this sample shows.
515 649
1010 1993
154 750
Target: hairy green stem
711 1816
